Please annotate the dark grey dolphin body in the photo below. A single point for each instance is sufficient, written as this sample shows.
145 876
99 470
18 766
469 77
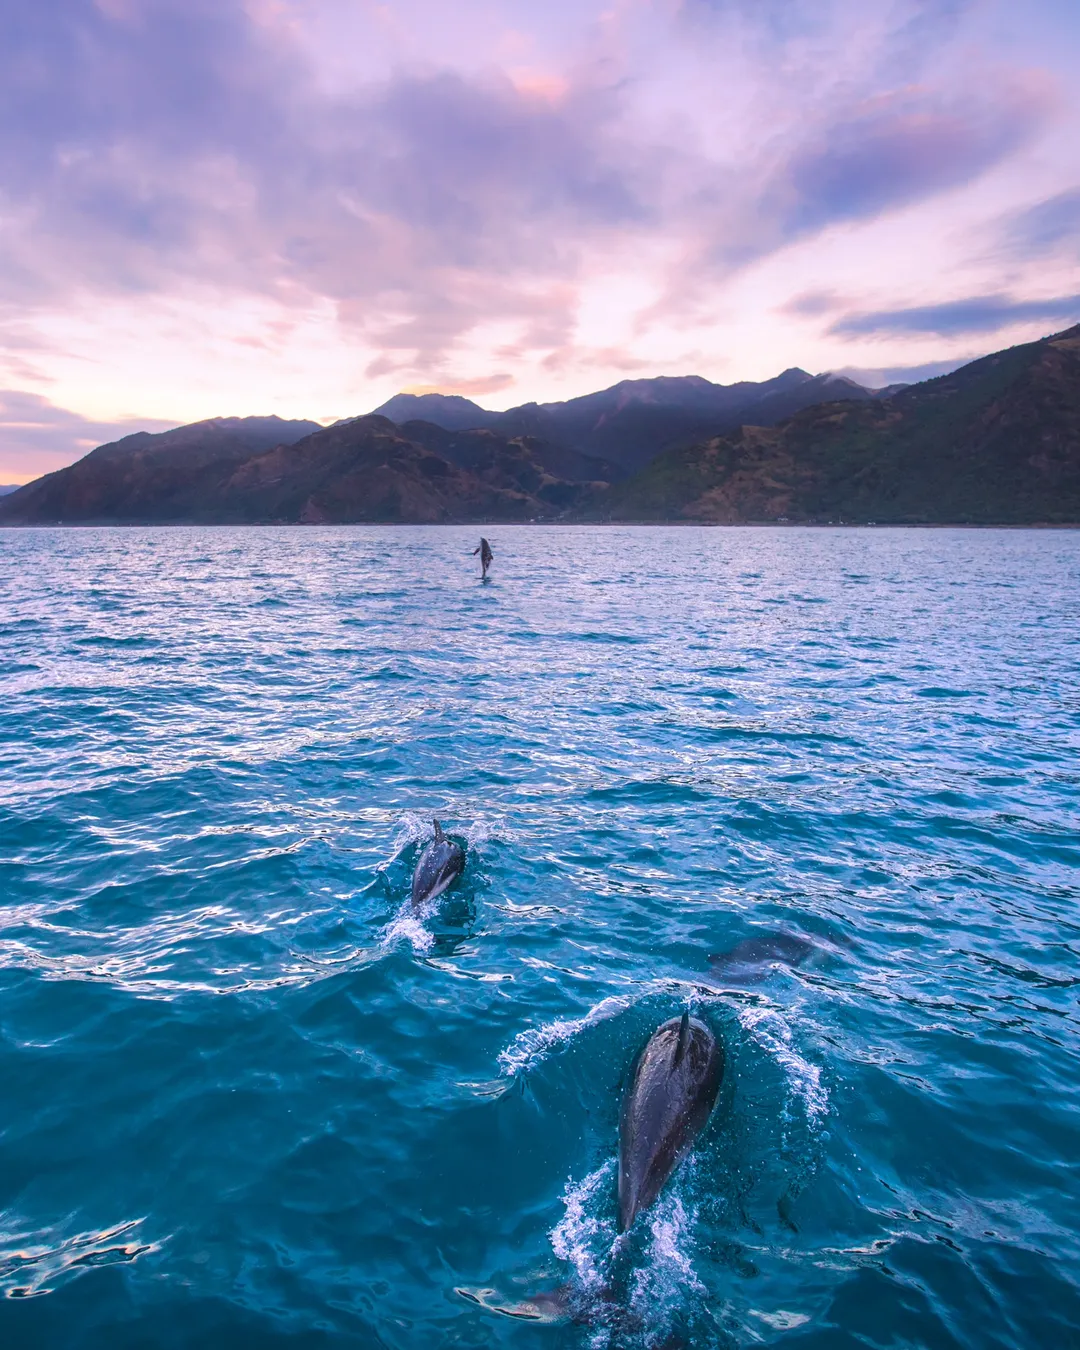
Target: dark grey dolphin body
440 865
749 961
676 1082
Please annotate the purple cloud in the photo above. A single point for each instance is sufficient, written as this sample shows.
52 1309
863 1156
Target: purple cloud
36 436
148 145
980 314
901 149
209 149
1045 227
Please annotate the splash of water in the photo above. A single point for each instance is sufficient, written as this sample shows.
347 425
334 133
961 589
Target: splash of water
414 828
771 1031
407 925
531 1047
583 1237
661 1285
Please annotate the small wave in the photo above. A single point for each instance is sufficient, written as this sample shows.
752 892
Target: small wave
781 1320
771 1031
532 1046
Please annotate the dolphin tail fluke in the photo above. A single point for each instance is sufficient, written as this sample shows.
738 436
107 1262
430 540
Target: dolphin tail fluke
683 1041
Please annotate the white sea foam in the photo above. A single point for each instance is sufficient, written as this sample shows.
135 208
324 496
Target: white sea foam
407 925
581 1237
771 1031
587 1240
532 1046
660 1286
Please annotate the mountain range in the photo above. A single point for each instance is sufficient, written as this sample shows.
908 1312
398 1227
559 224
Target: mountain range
995 441
626 426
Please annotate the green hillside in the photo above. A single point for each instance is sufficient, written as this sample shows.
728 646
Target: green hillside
997 441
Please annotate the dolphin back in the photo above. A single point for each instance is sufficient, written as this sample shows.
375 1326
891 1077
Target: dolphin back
441 863
676 1082
751 960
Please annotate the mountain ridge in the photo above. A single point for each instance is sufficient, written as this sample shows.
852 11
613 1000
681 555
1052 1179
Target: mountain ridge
631 421
997 441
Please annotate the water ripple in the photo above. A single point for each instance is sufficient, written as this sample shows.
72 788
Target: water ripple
347 1122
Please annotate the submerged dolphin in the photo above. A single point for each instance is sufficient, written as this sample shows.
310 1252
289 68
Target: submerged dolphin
748 962
440 865
676 1083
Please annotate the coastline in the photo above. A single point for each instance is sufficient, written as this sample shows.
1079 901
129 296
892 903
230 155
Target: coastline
543 524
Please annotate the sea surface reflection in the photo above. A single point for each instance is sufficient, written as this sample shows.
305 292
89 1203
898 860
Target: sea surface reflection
819 786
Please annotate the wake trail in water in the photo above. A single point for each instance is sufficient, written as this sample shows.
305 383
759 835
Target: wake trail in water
531 1047
409 923
659 1285
583 1237
771 1031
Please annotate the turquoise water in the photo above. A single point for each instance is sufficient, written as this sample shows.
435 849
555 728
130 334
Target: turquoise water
250 1100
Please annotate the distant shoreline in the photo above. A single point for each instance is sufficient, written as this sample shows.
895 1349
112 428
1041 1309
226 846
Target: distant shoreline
540 524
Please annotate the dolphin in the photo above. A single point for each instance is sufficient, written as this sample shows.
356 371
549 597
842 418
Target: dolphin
440 865
676 1082
750 960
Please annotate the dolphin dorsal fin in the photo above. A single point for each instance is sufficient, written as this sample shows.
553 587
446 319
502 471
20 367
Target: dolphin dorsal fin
683 1041
438 831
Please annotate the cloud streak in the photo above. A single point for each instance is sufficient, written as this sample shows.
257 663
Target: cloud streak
1045 227
977 314
37 437
902 149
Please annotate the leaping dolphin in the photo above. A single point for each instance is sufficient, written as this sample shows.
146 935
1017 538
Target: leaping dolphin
676 1082
440 865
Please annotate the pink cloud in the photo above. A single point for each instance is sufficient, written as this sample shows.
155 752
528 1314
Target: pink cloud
37 437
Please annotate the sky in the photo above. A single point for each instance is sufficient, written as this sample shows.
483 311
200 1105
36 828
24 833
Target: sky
300 207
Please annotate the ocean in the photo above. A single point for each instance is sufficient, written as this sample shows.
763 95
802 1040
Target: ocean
251 1099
